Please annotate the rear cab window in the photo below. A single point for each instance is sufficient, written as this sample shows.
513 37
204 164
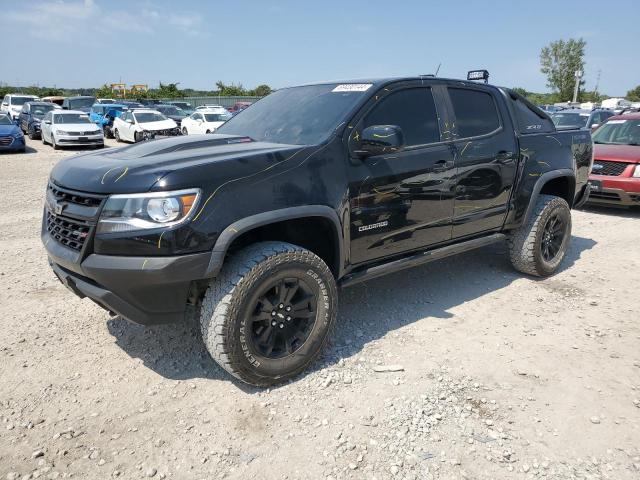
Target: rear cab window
529 118
476 112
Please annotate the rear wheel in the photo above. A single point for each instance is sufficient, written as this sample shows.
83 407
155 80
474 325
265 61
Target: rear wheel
268 314
539 246
117 135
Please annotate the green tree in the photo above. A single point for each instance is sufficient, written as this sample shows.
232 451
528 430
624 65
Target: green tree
633 95
559 61
169 90
261 91
230 90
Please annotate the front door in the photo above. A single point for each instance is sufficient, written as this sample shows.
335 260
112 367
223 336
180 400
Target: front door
401 201
486 154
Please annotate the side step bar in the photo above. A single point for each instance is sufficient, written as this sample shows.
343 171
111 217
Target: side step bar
418 259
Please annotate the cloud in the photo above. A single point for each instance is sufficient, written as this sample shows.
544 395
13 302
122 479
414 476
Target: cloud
72 20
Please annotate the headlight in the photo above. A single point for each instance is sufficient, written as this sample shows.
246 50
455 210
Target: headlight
63 132
636 172
142 211
18 135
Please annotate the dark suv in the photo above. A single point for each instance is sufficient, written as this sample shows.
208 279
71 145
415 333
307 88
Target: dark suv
253 229
31 116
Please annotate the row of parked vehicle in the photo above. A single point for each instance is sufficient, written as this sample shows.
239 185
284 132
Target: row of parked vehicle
72 120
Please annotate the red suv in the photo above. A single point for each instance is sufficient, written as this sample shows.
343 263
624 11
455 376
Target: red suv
615 175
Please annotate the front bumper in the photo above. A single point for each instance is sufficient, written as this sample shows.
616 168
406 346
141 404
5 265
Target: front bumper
145 290
622 191
12 143
79 140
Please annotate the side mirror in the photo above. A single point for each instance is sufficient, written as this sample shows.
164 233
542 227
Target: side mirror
5 104
594 127
380 139
128 120
48 122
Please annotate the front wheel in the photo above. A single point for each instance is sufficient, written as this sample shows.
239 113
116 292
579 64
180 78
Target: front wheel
184 131
53 142
539 246
116 134
31 133
268 314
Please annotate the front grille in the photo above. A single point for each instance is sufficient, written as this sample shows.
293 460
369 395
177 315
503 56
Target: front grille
608 168
69 233
4 141
75 197
605 196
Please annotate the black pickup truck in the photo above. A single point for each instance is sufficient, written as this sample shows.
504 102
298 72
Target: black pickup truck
254 228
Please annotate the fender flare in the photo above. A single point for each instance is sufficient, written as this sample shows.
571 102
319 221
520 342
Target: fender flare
544 178
233 231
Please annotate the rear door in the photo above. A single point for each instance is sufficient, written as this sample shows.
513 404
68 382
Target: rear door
486 151
401 201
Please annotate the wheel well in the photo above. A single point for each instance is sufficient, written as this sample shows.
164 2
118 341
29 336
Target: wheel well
562 187
316 234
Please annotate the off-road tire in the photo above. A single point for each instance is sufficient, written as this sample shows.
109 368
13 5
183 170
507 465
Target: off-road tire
227 305
525 249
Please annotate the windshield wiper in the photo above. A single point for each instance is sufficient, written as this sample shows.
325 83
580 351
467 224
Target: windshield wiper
602 143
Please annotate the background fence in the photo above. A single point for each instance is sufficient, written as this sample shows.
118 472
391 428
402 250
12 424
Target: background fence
219 100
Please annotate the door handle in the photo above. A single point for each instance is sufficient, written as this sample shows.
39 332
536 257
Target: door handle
504 157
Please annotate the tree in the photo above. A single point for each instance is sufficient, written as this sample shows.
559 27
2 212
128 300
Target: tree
261 91
169 90
559 61
634 94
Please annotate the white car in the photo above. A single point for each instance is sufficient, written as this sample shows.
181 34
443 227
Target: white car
13 102
63 128
141 124
204 121
208 106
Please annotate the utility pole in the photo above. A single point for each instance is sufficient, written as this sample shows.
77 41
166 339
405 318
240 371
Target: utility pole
578 76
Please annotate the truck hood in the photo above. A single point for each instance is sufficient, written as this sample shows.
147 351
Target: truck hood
617 153
137 168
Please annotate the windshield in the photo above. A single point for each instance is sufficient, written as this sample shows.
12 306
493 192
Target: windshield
5 120
217 117
86 102
70 118
618 132
20 100
298 116
147 117
172 111
570 119
40 110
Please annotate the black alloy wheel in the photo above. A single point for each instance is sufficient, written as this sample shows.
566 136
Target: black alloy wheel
552 237
283 317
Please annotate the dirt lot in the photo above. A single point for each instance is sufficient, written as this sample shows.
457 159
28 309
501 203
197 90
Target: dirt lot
499 375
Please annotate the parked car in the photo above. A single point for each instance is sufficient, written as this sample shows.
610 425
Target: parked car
238 106
184 106
208 106
31 116
142 124
11 137
251 230
171 111
577 118
204 121
615 175
12 103
81 103
64 128
104 115
130 104
56 99
106 100
149 102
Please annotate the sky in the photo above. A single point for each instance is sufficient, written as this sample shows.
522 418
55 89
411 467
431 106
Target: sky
87 43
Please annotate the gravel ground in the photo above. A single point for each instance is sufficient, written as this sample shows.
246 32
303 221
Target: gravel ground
459 369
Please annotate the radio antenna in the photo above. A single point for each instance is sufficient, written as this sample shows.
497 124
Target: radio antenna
437 70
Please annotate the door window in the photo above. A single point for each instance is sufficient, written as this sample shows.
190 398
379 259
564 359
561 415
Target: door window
475 111
413 110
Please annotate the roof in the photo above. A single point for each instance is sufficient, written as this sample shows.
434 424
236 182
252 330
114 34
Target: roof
66 112
628 116
81 96
40 102
575 110
22 95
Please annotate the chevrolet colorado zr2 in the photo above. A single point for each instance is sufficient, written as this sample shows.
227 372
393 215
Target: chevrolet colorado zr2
253 229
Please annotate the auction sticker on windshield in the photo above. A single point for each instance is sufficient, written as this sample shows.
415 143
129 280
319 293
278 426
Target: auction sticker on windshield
352 87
